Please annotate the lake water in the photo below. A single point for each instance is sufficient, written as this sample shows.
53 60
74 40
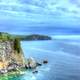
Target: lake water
63 60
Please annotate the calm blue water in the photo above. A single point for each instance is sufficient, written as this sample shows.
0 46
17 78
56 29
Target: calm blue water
63 57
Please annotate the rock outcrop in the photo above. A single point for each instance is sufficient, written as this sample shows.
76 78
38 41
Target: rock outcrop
8 55
31 63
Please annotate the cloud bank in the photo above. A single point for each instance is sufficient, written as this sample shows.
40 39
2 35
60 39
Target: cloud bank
39 13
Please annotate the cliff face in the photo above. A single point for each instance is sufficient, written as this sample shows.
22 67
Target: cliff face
9 55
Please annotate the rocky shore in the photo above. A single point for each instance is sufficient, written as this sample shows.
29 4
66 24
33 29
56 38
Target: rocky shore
11 60
12 56
30 64
33 64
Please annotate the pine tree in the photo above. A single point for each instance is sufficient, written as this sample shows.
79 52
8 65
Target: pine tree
17 45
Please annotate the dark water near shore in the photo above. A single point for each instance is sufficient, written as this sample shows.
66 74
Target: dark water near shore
63 57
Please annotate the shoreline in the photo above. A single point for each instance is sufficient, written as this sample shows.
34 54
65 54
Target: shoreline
30 65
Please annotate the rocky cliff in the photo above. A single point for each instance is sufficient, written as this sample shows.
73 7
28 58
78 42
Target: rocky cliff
10 52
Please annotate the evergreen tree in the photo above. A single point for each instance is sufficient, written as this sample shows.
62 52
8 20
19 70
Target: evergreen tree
17 45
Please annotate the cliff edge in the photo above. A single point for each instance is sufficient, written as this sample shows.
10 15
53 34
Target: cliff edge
10 51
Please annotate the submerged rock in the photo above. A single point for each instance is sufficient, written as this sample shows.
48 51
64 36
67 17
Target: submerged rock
35 72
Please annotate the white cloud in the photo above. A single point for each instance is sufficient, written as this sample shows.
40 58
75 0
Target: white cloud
41 11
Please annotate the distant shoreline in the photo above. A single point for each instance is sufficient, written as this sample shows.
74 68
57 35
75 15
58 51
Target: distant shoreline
33 37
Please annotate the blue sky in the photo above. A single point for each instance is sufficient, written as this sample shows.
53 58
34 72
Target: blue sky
33 16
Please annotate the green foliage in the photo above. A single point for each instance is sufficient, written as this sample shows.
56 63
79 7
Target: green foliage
17 45
5 36
8 37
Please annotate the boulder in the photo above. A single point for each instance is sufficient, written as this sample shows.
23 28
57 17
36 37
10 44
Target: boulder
39 64
3 71
12 67
45 62
31 64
